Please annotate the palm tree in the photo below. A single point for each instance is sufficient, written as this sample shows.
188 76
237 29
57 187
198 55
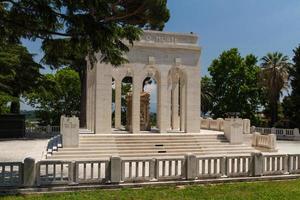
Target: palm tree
275 74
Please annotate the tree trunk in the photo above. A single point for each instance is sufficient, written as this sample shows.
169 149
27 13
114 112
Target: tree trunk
15 106
274 112
82 115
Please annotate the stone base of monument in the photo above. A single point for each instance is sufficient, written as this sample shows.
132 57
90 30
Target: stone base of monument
233 130
69 131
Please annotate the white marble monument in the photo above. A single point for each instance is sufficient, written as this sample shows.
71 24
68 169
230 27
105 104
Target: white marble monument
172 59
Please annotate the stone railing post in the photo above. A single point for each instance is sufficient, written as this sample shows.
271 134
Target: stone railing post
152 170
223 169
252 129
115 169
273 142
73 172
191 166
246 126
49 129
254 138
70 132
221 124
208 121
257 164
29 176
296 132
273 130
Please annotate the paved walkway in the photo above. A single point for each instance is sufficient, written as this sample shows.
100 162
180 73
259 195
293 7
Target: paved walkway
288 146
19 149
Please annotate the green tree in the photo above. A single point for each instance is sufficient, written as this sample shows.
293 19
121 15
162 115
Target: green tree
19 74
291 104
71 30
58 94
235 84
206 94
274 77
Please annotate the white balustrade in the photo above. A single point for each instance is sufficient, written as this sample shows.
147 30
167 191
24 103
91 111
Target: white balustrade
264 141
238 166
275 164
170 169
11 174
137 170
210 167
294 164
54 172
92 171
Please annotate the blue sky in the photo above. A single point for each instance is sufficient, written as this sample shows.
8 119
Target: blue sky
252 26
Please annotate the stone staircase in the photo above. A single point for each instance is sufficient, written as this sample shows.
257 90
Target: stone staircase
93 147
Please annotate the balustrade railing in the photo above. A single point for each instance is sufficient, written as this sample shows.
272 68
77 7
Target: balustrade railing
11 174
117 170
281 134
211 167
170 169
54 172
238 166
92 171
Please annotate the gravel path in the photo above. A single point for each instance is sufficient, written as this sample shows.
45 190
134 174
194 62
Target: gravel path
19 149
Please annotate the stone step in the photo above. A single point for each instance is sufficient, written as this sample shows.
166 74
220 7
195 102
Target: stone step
133 152
149 137
152 155
121 147
150 141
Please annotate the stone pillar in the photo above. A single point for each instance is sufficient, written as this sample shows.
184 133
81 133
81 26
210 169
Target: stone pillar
115 169
257 164
192 113
103 99
182 105
136 94
70 132
175 117
191 166
164 117
29 175
118 87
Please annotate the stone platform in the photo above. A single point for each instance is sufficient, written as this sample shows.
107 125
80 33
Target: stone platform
102 146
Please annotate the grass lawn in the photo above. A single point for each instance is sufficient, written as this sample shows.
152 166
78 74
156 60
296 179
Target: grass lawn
255 190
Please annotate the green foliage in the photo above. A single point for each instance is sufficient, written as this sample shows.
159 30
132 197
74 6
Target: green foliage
291 103
19 74
235 84
274 78
58 94
96 26
206 94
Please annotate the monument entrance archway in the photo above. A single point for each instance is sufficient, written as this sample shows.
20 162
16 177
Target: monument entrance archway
172 59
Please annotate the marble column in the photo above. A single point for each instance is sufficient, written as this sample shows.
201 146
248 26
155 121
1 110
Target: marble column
175 121
103 99
118 86
136 94
164 114
192 113
182 105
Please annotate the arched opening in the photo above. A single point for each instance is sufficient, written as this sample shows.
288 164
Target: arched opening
126 92
148 105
